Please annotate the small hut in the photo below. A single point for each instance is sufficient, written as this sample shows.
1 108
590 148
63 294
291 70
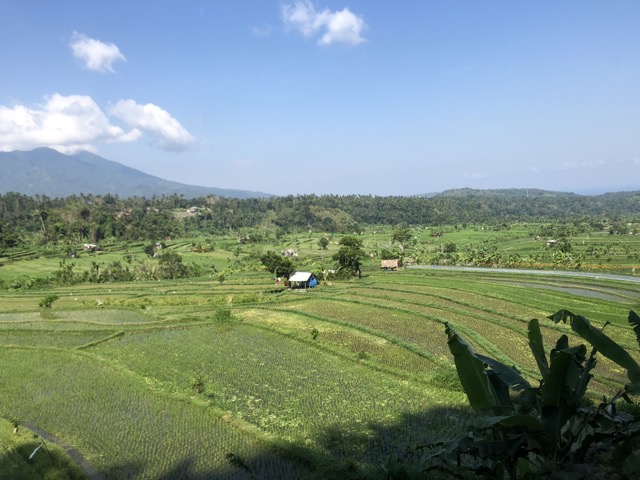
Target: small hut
302 280
391 264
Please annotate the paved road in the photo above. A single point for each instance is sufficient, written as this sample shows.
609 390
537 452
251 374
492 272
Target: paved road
566 273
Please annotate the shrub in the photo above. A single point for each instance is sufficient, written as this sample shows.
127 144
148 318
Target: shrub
323 243
548 431
223 314
197 384
47 301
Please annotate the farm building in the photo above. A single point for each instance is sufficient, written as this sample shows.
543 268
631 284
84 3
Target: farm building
389 264
303 280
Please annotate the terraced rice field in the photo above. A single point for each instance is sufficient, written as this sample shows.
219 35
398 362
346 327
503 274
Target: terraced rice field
159 380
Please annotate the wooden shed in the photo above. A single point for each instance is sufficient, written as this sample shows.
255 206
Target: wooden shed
391 264
302 280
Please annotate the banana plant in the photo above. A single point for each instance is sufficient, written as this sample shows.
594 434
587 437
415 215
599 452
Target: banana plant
605 345
551 429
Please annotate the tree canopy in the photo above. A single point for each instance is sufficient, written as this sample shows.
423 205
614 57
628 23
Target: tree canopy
350 255
277 264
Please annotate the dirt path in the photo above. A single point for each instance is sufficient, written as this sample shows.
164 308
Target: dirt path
88 469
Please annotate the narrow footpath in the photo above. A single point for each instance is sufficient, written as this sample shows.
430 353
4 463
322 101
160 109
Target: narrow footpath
88 469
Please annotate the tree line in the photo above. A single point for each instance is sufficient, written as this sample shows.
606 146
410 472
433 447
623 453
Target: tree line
93 218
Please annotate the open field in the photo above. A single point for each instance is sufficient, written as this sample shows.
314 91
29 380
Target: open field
167 378
522 245
49 460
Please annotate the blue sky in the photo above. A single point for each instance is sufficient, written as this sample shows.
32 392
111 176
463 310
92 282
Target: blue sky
332 96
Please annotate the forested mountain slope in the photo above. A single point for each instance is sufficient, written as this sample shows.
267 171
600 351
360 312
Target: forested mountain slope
45 171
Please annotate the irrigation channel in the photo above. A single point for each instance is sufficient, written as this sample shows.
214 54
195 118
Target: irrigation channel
610 294
88 469
565 273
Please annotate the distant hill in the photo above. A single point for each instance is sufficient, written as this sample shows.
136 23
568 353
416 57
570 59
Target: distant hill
426 195
48 172
503 192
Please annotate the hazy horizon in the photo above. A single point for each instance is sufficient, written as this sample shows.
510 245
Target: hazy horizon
332 97
419 194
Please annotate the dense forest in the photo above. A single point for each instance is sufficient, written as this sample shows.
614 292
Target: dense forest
91 218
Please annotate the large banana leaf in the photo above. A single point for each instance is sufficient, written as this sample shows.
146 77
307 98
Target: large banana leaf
565 375
586 376
472 374
561 344
501 391
536 343
602 343
634 321
520 422
510 376
558 391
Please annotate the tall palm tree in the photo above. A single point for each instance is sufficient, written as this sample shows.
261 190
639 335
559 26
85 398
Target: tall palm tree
42 214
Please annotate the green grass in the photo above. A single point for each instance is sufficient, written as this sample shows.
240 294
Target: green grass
126 425
115 377
50 462
286 387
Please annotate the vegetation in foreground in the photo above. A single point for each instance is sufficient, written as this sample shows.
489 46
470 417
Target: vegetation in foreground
27 456
549 430
156 378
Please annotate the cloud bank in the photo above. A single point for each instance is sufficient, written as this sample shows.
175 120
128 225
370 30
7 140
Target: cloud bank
74 123
578 165
333 27
166 130
68 124
475 175
94 54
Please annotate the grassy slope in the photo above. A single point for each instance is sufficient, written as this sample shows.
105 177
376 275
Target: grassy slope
125 426
371 380
15 449
598 250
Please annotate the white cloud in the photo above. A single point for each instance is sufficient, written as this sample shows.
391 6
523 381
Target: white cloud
301 16
96 55
76 122
167 131
474 175
577 165
343 26
67 123
264 31
334 27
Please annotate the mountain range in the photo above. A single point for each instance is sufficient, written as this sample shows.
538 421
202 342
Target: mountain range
45 171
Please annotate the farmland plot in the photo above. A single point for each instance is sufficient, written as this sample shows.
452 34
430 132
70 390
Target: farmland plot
288 388
157 381
126 428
